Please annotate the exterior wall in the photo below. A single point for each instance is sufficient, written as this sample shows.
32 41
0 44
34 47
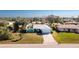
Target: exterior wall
67 30
72 30
77 30
60 29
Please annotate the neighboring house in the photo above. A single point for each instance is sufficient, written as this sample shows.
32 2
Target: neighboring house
66 19
42 28
3 22
68 28
37 22
10 23
34 22
71 23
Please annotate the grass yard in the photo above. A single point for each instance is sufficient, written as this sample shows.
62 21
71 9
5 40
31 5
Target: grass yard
27 38
64 37
31 38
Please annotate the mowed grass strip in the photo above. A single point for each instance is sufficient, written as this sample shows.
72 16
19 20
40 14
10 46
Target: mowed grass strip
64 37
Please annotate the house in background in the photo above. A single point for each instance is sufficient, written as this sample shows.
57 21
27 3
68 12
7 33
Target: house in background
68 28
10 23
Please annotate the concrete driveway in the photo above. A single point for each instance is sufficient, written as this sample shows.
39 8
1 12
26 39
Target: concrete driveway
48 39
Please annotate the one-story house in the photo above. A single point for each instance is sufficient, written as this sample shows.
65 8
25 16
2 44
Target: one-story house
38 28
68 28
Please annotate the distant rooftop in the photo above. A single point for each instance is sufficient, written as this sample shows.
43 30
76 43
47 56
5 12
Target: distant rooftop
68 26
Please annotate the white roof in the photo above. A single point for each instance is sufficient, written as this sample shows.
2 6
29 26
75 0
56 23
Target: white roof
44 28
41 26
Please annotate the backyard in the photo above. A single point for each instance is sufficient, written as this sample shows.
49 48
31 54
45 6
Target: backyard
64 37
27 38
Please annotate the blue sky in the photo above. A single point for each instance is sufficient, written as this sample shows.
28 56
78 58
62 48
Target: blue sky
37 13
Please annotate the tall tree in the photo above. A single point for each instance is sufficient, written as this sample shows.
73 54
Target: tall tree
16 26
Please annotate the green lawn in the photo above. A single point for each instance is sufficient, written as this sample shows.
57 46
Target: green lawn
64 37
27 38
31 38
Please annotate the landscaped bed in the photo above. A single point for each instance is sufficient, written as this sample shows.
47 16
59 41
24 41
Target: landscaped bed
26 38
64 37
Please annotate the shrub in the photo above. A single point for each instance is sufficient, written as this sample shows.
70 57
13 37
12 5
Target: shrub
5 35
